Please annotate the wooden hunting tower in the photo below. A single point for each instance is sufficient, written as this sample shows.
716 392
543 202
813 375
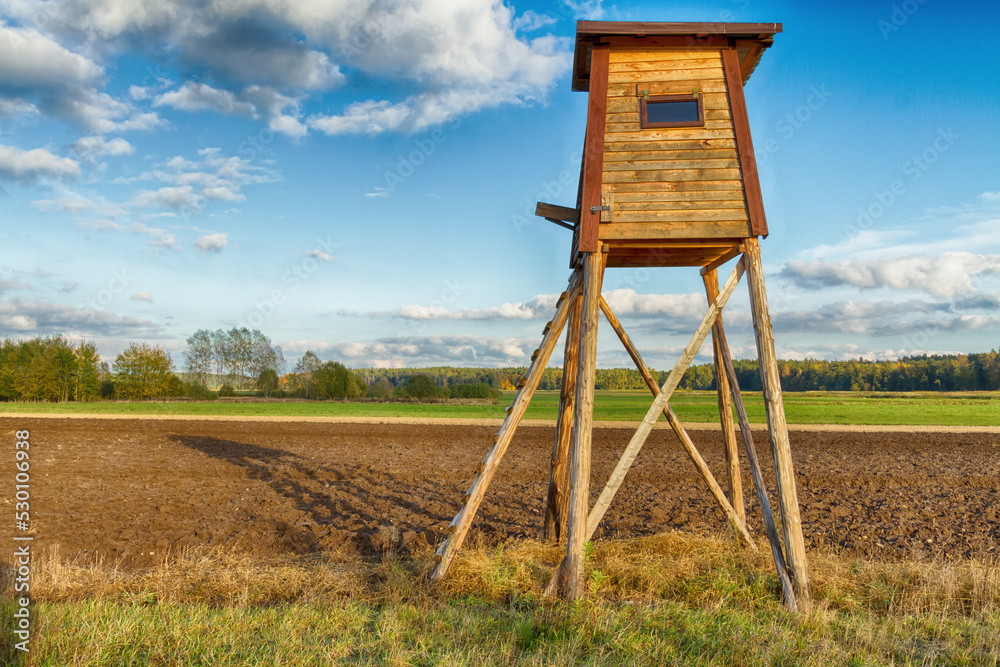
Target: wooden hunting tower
668 179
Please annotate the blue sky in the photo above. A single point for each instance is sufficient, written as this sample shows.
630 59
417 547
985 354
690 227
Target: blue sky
358 178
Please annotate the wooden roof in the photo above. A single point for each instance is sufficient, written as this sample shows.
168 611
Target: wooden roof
750 40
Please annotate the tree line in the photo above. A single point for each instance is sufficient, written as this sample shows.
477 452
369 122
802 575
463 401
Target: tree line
240 357
241 361
958 372
312 378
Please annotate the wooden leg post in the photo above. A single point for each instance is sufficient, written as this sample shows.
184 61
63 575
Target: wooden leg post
711 279
699 463
579 486
474 496
555 514
791 521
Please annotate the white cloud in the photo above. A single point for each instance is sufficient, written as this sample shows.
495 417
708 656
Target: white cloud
943 275
452 58
37 73
201 97
239 51
162 238
625 302
78 204
369 117
98 112
11 107
7 284
421 351
589 10
74 204
178 197
538 307
990 196
29 59
43 318
18 322
101 224
92 147
530 21
320 255
222 193
142 296
212 243
378 193
28 166
191 183
288 126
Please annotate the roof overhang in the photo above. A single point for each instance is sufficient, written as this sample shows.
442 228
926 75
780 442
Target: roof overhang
749 39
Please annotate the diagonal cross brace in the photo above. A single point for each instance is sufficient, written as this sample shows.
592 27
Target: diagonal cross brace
658 406
660 403
689 447
787 590
474 496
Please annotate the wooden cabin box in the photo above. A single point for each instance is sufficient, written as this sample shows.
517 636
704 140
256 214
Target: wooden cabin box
669 177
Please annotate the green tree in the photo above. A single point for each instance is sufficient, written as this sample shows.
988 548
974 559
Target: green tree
143 371
267 381
199 356
420 386
88 372
334 380
381 388
302 380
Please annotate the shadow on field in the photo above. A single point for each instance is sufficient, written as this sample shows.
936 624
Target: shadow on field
374 508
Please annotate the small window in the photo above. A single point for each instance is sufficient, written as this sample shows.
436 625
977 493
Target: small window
671 111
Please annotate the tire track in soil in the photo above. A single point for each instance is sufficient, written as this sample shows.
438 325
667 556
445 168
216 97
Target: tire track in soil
130 490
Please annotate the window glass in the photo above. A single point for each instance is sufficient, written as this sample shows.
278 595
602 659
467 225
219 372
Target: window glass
685 111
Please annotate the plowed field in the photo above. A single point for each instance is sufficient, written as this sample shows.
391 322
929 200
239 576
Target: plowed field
130 490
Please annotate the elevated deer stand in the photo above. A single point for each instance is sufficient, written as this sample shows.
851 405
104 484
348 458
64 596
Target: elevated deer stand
668 180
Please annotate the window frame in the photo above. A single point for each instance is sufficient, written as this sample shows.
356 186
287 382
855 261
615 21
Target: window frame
690 97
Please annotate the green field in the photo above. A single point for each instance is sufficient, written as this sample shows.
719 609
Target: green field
925 408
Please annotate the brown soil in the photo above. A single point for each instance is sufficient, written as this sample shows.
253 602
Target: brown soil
130 490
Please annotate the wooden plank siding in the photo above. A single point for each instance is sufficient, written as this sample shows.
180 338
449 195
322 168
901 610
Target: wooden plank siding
670 184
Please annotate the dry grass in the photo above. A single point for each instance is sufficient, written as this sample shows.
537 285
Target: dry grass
669 599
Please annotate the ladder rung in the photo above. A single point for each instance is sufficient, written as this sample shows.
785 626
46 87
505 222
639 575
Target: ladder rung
496 437
439 554
548 326
561 298
534 355
520 383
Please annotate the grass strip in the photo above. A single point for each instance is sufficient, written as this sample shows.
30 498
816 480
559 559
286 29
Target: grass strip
670 599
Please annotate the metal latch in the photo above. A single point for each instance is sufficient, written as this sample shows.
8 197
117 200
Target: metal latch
645 95
598 209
